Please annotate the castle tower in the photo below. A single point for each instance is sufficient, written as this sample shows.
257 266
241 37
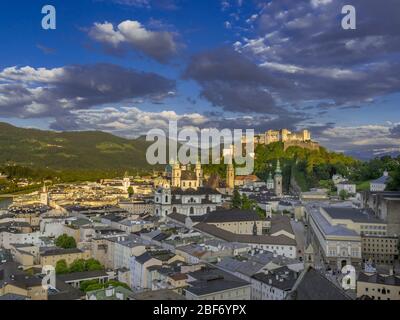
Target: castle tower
199 174
306 136
230 177
44 195
176 175
278 180
285 135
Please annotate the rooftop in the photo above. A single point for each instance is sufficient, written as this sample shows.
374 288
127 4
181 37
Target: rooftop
211 280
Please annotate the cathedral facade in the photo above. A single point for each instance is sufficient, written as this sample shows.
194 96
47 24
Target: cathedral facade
184 178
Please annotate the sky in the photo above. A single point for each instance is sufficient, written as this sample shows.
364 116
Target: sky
128 66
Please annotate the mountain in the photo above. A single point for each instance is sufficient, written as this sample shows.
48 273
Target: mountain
90 150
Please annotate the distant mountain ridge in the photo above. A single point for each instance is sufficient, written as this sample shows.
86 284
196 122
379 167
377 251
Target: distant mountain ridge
70 150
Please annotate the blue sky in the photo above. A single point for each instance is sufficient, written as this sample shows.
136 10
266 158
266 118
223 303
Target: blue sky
127 66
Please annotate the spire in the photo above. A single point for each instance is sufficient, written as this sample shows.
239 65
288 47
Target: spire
278 168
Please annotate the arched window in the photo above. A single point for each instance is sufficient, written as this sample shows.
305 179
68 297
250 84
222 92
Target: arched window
166 198
208 209
191 210
174 210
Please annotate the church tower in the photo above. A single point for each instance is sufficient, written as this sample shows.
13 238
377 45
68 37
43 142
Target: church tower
176 175
278 180
44 195
126 182
199 174
230 177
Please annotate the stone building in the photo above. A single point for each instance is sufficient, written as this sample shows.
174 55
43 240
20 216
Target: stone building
185 178
188 202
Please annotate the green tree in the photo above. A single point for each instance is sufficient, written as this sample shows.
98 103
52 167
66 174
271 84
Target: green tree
247 204
78 265
343 195
93 265
62 267
65 242
131 192
237 200
394 183
87 284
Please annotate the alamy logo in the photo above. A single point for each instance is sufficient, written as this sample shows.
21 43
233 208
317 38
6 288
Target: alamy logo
349 279
349 21
196 144
49 279
49 21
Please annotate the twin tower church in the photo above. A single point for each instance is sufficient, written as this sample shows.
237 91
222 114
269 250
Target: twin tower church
185 178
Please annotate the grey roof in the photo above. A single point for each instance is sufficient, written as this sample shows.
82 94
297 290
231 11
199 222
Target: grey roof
328 229
163 295
312 285
248 268
382 180
9 273
83 275
233 215
279 223
251 264
356 215
59 251
391 280
199 191
282 278
211 280
220 216
12 297
242 238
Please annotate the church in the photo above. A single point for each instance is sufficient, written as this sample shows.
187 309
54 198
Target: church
186 194
184 178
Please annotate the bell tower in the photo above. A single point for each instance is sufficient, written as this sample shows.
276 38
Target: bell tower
44 195
176 175
278 180
230 177
199 174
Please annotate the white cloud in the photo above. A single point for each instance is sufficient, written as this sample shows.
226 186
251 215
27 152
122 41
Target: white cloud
160 45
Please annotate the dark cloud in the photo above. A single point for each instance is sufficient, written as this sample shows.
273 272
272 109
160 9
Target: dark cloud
235 83
305 44
36 93
395 132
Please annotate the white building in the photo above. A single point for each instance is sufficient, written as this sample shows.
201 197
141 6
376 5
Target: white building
350 188
188 202
273 284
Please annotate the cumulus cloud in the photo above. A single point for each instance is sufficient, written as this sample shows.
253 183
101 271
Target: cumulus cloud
38 92
235 83
306 44
159 45
364 141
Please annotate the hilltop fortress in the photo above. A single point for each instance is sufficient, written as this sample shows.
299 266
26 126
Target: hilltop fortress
290 139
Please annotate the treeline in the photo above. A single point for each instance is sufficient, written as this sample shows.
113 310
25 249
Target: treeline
315 168
68 175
